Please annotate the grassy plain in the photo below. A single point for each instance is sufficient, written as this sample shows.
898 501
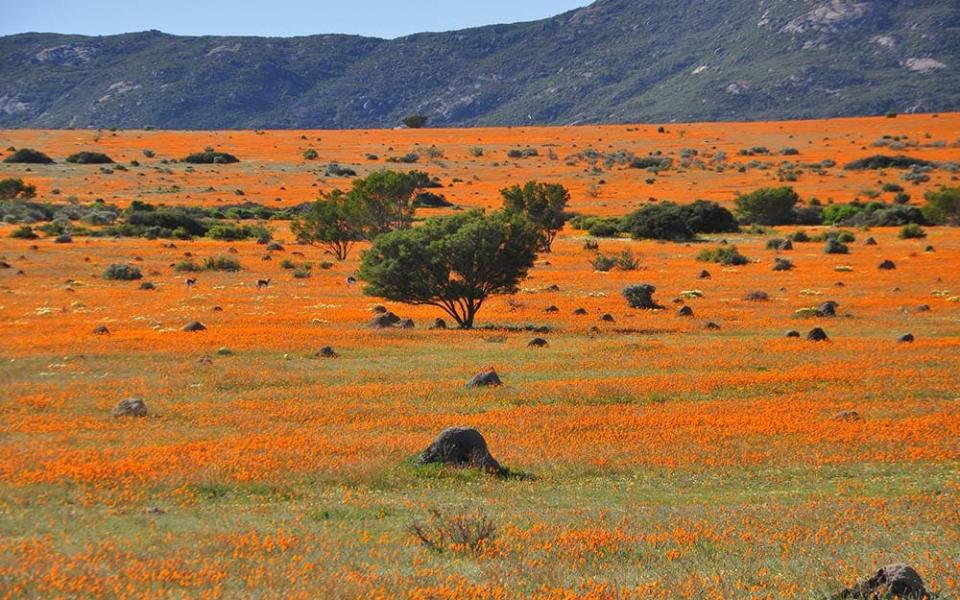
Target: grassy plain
661 459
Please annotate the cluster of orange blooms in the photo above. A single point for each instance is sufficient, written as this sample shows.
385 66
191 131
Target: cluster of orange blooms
664 459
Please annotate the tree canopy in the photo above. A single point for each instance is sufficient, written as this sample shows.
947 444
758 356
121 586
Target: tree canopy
335 221
768 206
387 198
454 263
543 204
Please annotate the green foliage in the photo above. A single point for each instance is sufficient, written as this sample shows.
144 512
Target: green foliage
912 232
335 222
415 121
431 200
233 232
640 296
28 156
663 221
943 206
386 197
603 263
543 204
310 154
522 153
880 161
221 263
122 272
11 189
724 255
24 232
454 263
835 214
768 206
211 157
187 266
89 158
835 246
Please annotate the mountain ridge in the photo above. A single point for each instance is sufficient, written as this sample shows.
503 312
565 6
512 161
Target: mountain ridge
610 62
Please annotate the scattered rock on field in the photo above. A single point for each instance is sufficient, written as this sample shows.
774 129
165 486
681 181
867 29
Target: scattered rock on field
461 447
130 407
487 377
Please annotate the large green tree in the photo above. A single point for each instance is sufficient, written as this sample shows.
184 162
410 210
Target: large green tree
335 221
454 263
15 188
543 204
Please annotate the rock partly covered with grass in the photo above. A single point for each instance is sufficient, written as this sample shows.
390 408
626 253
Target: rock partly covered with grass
460 447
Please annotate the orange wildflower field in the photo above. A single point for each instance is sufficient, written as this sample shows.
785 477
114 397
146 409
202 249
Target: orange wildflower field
651 456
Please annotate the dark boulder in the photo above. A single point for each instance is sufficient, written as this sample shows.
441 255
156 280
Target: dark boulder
887 265
607 318
870 241
101 330
439 323
194 326
685 311
487 377
407 324
793 334
460 447
828 309
537 343
893 581
817 335
326 352
551 309
384 320
131 407
704 274
906 338
580 311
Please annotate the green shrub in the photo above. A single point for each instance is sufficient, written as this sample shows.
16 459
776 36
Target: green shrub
522 153
232 232
799 236
302 272
912 232
943 206
415 121
431 200
11 189
627 262
89 158
24 232
768 206
222 263
880 161
28 156
210 157
663 221
724 255
187 266
310 154
122 272
835 246
603 263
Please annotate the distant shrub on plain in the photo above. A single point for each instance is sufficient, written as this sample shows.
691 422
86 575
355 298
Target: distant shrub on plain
89 158
11 189
122 272
28 156
211 157
724 255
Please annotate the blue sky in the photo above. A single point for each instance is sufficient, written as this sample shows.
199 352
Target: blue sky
381 18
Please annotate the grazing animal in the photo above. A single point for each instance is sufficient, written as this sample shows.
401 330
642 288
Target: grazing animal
263 283
191 282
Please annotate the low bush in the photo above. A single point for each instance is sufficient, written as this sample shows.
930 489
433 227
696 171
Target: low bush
89 158
724 255
912 232
211 157
122 272
28 156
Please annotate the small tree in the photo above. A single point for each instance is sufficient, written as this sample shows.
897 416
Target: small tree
543 204
454 263
11 189
387 199
415 121
334 222
768 206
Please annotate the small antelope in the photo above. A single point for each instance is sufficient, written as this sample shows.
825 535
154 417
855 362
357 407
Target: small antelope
191 282
263 283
